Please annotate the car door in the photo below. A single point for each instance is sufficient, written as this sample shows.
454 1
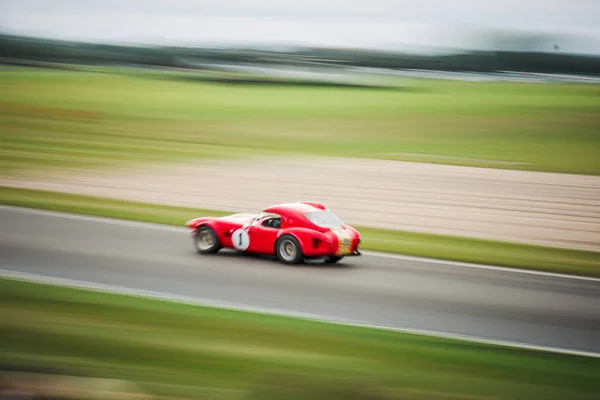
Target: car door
263 234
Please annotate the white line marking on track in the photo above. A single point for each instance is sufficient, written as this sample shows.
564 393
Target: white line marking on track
98 287
160 227
480 266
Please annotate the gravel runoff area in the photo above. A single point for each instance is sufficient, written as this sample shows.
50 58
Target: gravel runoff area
528 207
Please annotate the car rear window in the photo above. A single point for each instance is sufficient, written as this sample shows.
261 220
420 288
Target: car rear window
325 219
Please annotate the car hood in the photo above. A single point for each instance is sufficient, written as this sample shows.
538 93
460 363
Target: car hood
241 218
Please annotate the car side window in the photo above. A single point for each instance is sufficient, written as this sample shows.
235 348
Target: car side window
272 223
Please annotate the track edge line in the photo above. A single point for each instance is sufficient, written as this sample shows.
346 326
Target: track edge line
164 227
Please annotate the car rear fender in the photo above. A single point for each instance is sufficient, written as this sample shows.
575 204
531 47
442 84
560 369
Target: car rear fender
309 239
352 229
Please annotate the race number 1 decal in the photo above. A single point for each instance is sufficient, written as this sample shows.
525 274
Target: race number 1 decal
240 239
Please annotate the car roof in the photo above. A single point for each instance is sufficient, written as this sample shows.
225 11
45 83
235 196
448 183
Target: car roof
298 208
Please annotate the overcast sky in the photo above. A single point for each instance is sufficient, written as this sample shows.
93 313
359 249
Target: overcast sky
356 23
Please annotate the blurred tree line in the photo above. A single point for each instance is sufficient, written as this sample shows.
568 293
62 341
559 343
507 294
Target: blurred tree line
23 50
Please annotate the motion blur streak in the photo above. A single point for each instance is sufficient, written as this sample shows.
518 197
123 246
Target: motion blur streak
465 130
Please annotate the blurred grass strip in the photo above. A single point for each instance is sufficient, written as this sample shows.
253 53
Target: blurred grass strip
94 119
172 350
514 255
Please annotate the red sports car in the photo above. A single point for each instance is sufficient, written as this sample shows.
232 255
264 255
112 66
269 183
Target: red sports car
293 232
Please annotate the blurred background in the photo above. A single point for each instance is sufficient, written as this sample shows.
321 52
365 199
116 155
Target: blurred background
464 130
469 40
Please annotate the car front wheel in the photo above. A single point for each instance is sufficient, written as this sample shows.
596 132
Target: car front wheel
206 240
288 250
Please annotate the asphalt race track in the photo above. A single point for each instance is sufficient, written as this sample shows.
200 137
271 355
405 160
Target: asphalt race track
487 303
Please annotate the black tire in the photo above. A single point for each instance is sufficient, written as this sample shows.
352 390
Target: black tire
332 259
288 250
206 241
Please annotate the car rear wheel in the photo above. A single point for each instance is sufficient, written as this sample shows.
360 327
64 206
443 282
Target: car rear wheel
206 240
288 250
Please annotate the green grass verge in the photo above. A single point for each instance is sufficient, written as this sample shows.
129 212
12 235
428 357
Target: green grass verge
408 243
74 118
182 351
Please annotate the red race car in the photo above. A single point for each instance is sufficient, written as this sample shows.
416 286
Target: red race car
292 232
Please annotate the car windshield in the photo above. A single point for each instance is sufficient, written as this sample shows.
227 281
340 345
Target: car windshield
325 219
